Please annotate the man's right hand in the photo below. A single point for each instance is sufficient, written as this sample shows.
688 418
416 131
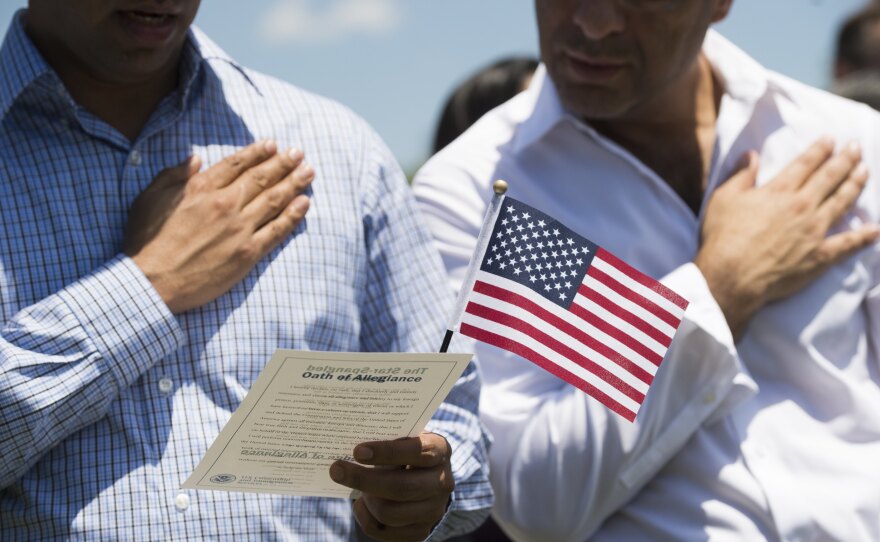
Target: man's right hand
763 244
195 235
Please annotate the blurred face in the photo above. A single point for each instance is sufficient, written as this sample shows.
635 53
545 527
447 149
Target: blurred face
613 58
114 41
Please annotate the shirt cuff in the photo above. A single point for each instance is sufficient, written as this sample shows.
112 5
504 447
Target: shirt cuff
704 313
125 317
471 501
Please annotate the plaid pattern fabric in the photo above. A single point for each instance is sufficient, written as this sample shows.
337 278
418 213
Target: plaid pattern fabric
107 401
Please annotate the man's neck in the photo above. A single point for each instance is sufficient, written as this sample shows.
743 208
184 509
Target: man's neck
124 105
675 134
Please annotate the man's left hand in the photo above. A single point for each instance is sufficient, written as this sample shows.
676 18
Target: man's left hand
407 493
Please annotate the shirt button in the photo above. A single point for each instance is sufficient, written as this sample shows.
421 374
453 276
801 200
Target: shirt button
135 158
166 385
709 398
181 502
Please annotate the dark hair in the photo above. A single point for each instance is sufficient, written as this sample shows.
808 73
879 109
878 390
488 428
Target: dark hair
855 50
485 90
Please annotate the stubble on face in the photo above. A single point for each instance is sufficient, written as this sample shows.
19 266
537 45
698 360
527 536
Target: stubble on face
111 41
609 62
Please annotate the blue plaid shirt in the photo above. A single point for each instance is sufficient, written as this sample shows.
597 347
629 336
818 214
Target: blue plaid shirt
107 400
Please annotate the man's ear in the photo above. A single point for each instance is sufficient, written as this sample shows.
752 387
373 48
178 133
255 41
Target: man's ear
722 8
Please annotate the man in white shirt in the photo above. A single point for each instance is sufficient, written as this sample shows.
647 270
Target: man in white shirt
662 142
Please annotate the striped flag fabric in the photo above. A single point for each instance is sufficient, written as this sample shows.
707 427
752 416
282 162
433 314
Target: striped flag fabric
559 300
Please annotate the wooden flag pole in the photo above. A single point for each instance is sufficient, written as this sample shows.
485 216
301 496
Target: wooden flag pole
500 189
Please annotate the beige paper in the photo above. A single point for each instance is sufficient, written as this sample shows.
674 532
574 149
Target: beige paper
308 409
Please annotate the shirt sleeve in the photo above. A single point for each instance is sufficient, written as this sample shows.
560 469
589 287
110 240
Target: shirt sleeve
405 308
561 462
64 359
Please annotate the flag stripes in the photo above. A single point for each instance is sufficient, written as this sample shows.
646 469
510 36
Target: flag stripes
543 292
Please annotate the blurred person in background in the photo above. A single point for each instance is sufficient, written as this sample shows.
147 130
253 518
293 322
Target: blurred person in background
857 57
483 91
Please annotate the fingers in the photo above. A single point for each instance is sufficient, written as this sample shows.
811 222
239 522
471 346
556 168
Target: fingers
272 233
425 450
844 196
272 201
259 179
834 172
399 514
380 530
842 245
235 165
799 171
399 485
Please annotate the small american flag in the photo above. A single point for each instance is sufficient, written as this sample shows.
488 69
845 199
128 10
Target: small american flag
557 299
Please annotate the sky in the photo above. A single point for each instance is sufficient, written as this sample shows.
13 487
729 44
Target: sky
395 61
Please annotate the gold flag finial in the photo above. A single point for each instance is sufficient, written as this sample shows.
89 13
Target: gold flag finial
500 187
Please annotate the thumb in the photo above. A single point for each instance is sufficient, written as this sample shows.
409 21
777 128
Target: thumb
746 173
179 173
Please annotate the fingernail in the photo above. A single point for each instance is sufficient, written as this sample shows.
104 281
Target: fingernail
827 140
300 204
269 146
337 473
295 154
853 147
363 453
861 170
308 171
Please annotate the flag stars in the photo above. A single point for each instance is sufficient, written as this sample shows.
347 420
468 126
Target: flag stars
526 216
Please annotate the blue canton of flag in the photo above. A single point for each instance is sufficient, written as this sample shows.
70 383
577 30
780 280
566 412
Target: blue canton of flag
533 249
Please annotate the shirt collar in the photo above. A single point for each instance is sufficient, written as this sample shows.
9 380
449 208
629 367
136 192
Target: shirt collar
21 64
744 79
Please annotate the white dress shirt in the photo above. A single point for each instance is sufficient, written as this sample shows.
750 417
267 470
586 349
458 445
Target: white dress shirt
776 437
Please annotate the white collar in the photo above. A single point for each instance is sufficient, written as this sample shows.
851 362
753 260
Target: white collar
744 80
